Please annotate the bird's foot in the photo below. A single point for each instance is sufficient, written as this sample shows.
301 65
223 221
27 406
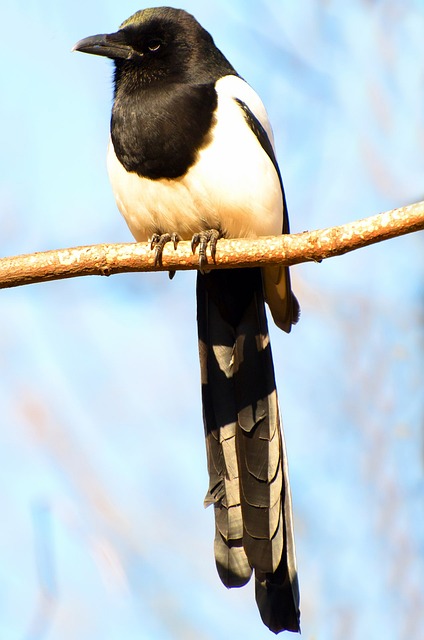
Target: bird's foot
158 241
202 240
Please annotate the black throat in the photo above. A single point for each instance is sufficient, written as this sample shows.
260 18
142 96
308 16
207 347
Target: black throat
158 128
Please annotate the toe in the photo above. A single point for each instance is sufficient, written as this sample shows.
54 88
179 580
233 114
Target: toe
202 240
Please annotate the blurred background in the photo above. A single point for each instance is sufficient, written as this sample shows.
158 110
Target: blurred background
102 461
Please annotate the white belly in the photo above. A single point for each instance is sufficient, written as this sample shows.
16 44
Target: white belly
233 186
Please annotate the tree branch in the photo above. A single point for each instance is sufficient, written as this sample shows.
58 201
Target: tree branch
108 259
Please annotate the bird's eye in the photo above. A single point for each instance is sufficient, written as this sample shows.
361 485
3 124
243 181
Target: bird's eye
154 45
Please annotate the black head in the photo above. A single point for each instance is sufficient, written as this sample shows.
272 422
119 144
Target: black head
160 44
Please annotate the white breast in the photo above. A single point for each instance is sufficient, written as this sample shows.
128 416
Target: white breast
233 185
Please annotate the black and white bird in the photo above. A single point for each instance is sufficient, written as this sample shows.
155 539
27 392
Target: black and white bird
191 156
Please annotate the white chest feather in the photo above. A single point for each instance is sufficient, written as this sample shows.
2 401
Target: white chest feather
233 185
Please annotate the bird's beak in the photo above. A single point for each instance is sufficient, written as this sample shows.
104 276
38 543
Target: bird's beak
111 45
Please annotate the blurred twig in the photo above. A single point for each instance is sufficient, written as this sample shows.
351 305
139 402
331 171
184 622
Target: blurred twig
44 553
313 246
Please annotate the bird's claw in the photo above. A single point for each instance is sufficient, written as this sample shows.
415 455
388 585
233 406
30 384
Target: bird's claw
158 241
202 240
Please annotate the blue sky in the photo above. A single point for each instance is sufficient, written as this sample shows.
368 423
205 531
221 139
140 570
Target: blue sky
102 460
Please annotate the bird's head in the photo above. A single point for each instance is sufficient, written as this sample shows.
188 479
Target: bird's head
156 44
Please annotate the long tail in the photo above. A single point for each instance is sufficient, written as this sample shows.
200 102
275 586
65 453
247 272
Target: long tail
249 484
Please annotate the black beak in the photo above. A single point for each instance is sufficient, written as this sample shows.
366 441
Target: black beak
111 45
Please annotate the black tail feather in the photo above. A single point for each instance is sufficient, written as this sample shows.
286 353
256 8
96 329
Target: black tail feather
249 483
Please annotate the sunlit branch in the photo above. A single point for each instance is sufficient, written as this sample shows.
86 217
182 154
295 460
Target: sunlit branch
310 246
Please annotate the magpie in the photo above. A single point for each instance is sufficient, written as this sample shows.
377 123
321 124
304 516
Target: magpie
191 157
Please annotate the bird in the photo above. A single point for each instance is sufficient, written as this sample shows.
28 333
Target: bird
191 156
